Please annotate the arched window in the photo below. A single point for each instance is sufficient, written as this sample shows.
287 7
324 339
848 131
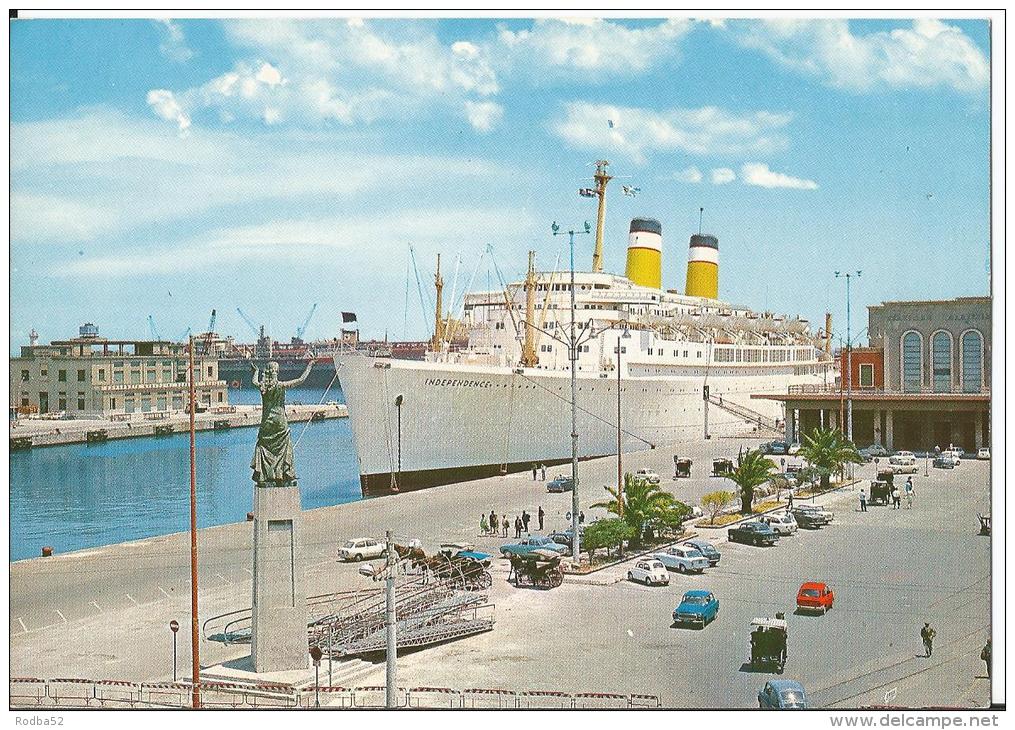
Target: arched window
941 358
912 361
972 361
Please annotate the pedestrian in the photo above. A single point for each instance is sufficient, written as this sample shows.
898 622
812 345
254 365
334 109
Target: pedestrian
789 501
494 522
526 517
533 472
927 634
581 518
863 499
518 527
504 526
484 528
542 470
985 656
540 515
937 451
896 498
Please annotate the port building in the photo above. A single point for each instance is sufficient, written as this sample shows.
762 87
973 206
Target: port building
923 381
93 377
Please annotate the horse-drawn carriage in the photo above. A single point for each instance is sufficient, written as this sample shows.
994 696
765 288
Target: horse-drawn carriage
722 467
540 568
457 563
768 643
681 467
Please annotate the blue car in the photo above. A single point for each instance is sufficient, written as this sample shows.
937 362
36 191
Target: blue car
696 607
530 544
705 548
782 694
560 484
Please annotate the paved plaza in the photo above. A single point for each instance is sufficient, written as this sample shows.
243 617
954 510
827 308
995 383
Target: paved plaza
104 613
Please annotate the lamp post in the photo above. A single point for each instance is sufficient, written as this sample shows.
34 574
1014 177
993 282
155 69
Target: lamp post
626 334
174 626
390 623
573 356
849 355
398 408
195 646
316 654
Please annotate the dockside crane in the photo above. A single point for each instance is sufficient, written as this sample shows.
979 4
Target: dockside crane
151 326
250 323
303 328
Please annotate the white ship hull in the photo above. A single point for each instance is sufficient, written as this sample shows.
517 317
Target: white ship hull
467 421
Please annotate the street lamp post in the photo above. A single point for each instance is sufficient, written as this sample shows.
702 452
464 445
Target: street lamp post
174 626
573 356
398 408
849 355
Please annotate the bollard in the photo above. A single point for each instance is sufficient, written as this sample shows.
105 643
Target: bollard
47 551
250 516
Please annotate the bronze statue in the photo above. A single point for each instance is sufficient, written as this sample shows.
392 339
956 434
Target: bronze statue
273 455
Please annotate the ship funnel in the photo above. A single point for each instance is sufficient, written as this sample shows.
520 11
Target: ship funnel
703 267
645 253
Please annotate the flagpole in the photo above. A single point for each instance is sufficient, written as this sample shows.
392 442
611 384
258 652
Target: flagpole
194 644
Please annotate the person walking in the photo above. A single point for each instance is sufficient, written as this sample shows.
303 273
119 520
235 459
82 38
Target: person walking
494 523
896 498
542 471
863 499
789 501
985 656
533 472
539 515
581 518
504 526
518 527
526 517
484 527
927 634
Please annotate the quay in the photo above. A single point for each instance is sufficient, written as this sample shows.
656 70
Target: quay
32 432
104 613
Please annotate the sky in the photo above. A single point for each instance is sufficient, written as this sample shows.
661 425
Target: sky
165 168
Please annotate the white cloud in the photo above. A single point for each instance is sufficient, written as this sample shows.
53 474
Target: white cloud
164 104
58 218
703 131
722 175
269 75
926 54
689 175
174 45
756 173
483 115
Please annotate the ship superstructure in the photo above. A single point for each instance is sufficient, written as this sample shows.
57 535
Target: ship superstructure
502 402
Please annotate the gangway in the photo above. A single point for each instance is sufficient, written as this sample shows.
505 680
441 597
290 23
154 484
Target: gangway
763 422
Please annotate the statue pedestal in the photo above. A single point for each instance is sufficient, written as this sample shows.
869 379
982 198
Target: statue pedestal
279 619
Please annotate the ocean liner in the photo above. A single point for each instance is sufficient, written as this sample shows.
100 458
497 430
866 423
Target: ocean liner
685 365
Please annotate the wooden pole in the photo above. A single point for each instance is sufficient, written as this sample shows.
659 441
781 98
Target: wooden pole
194 645
620 458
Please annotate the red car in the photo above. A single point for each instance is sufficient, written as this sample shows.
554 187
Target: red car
814 597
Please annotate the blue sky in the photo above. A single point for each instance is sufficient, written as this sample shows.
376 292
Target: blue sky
169 168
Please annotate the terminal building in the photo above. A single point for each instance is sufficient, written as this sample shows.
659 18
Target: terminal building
92 377
924 380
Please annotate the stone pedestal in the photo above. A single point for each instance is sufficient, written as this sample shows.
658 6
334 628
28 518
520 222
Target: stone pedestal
279 621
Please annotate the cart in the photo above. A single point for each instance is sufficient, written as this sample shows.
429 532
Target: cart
539 568
681 468
984 524
461 564
768 644
721 467
881 492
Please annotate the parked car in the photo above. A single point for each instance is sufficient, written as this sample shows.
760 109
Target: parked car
753 533
362 548
794 448
782 522
824 513
877 450
530 544
782 694
983 453
808 519
647 475
707 550
696 607
565 538
650 572
945 461
776 448
814 596
560 484
903 463
683 558
957 454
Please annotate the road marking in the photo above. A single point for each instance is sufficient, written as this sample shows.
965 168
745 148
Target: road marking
249 571
227 582
131 598
93 603
60 615
164 592
23 627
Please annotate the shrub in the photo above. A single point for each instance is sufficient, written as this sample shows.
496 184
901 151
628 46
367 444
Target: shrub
716 502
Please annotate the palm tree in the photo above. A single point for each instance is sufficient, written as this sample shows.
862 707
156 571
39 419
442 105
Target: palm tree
641 505
753 470
828 449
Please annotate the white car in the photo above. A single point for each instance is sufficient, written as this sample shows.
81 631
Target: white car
647 475
650 572
362 548
782 522
909 454
815 508
956 454
684 558
903 464
793 449
983 453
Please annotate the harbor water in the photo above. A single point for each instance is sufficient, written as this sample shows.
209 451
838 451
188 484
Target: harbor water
84 496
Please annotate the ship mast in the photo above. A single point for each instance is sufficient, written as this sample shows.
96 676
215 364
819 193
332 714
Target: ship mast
601 177
529 358
438 330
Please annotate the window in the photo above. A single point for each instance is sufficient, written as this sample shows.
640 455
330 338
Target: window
912 361
24 376
866 375
941 347
61 375
81 404
44 373
135 376
211 371
972 361
81 376
112 404
220 396
150 376
118 376
102 375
